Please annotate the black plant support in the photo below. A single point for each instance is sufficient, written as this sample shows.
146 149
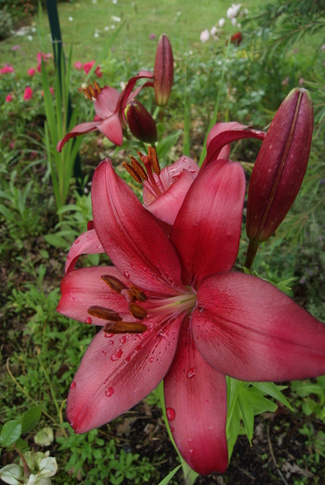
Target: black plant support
53 16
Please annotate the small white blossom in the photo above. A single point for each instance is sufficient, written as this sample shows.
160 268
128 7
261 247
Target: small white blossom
221 22
234 21
233 11
214 30
115 19
70 19
29 37
205 35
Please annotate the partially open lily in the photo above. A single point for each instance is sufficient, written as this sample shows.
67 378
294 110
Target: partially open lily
109 108
171 308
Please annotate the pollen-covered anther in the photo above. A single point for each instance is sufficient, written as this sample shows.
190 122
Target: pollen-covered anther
92 92
124 327
138 168
134 174
139 294
104 313
137 311
114 283
152 154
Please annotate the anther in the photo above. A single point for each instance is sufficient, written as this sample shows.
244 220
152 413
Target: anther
104 313
137 311
114 283
138 168
92 91
139 294
152 154
97 88
125 327
87 93
132 172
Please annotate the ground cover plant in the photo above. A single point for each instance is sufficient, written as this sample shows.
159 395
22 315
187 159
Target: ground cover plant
232 71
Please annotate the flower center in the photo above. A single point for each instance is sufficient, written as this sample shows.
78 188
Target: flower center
92 92
139 307
143 174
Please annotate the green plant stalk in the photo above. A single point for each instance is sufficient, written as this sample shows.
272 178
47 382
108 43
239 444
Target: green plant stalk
189 475
216 106
186 134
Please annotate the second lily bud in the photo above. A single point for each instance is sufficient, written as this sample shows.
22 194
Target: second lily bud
279 168
141 123
163 71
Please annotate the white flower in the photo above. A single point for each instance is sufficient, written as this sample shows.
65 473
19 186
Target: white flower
234 21
214 30
114 1
232 11
205 35
115 19
221 22
29 37
70 19
96 35
106 28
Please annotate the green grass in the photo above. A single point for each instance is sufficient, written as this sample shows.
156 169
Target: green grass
182 21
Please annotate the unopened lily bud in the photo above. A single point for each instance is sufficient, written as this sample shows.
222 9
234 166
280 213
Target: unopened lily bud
280 167
141 123
163 71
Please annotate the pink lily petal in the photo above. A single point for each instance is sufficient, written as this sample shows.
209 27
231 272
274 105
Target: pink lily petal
248 329
131 236
76 131
124 96
118 371
86 243
106 102
214 203
224 133
196 404
83 288
177 179
111 127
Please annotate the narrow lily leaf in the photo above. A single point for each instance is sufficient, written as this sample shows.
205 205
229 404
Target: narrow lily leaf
170 475
246 410
10 432
275 391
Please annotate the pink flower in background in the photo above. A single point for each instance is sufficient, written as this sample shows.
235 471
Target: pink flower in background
28 93
7 69
9 98
109 108
78 65
152 36
16 47
204 36
31 71
51 91
87 66
172 308
40 56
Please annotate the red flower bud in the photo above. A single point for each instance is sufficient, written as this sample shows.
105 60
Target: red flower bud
280 166
163 71
141 123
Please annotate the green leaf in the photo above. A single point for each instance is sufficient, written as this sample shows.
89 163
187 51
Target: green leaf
170 476
273 390
246 410
31 418
167 143
10 432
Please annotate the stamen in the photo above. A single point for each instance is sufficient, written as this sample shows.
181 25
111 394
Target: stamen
92 91
125 327
97 88
139 294
137 311
104 313
138 168
132 172
114 283
87 93
152 154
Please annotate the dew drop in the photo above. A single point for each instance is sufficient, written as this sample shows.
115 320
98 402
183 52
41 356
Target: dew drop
191 451
191 373
77 241
108 335
170 414
111 342
151 360
162 335
138 348
123 339
189 440
103 352
72 385
88 320
118 354
127 275
127 360
109 392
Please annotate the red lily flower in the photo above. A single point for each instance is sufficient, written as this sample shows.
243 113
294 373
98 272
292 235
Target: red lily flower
109 108
172 309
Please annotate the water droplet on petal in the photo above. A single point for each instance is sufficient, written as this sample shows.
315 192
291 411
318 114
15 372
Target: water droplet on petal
103 352
88 320
191 373
138 348
72 385
127 275
111 342
109 392
191 451
151 360
170 414
127 360
118 354
77 241
123 339
189 440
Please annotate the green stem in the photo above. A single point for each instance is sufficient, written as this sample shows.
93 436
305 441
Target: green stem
251 253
